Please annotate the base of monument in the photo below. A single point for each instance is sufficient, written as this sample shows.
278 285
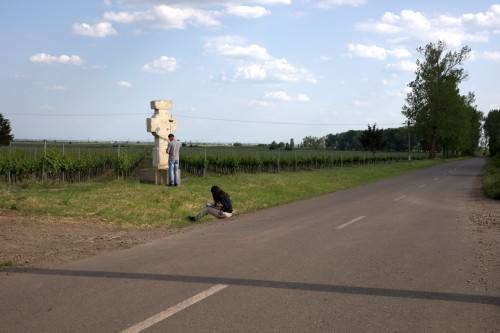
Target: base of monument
155 176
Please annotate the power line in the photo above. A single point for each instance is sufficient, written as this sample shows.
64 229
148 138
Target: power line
186 116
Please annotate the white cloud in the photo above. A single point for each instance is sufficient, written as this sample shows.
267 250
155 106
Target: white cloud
372 51
166 17
102 29
250 72
248 12
222 48
414 26
303 98
45 107
261 103
489 19
277 95
57 88
253 62
197 3
391 93
19 76
270 97
125 84
63 59
327 4
162 65
402 66
360 103
492 55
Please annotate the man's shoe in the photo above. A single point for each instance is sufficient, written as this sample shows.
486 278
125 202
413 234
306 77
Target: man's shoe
191 218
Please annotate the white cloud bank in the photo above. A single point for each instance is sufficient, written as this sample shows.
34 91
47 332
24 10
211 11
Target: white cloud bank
270 97
162 65
102 29
248 12
327 4
180 15
44 58
414 26
372 51
254 63
124 84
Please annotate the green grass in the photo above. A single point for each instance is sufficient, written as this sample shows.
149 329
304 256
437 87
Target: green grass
132 203
7 263
491 178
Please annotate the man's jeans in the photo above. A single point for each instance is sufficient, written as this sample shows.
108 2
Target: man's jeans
173 167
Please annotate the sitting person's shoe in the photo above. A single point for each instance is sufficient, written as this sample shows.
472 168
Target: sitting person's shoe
191 218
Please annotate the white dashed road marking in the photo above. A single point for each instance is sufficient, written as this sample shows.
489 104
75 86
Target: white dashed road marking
422 186
350 222
399 198
174 309
435 179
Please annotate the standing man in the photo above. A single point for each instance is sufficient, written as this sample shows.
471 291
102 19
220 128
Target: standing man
173 160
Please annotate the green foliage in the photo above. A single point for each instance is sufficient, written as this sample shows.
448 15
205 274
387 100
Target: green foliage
6 263
5 136
232 162
344 141
434 103
492 131
373 139
69 165
491 178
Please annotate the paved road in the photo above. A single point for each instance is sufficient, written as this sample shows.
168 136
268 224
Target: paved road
393 256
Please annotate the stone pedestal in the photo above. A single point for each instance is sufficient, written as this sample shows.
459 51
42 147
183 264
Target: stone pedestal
155 176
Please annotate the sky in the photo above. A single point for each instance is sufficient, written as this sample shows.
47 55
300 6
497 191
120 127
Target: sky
251 71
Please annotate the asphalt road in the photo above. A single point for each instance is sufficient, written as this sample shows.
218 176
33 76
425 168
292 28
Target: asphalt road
393 256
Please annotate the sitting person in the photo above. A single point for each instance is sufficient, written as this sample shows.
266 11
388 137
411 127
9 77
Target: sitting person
224 210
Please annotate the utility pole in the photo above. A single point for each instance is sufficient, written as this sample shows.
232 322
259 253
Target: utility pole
409 143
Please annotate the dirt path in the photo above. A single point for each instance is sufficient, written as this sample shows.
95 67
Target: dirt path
44 240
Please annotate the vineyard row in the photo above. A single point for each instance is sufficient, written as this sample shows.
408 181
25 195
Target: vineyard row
71 166
230 162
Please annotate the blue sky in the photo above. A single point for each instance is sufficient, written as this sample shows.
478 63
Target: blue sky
236 71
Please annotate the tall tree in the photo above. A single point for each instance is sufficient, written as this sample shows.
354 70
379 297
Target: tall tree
5 136
372 139
492 131
434 92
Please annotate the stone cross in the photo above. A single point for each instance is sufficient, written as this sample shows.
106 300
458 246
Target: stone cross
161 124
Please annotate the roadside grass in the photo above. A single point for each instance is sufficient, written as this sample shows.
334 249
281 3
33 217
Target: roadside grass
6 263
491 178
128 202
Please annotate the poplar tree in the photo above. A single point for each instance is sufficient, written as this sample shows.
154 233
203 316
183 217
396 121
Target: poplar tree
492 129
434 96
5 136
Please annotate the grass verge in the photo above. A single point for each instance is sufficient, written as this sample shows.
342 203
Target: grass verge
5 264
491 178
132 203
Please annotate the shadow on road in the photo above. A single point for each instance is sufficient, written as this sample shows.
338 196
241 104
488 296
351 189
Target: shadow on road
464 298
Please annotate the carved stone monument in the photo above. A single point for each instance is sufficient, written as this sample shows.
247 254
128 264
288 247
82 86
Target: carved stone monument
161 124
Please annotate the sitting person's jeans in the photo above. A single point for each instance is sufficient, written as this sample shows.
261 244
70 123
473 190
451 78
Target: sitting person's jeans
173 172
212 211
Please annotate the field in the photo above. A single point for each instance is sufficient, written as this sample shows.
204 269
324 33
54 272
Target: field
129 202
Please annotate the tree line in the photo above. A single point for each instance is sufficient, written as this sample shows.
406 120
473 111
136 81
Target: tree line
439 116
